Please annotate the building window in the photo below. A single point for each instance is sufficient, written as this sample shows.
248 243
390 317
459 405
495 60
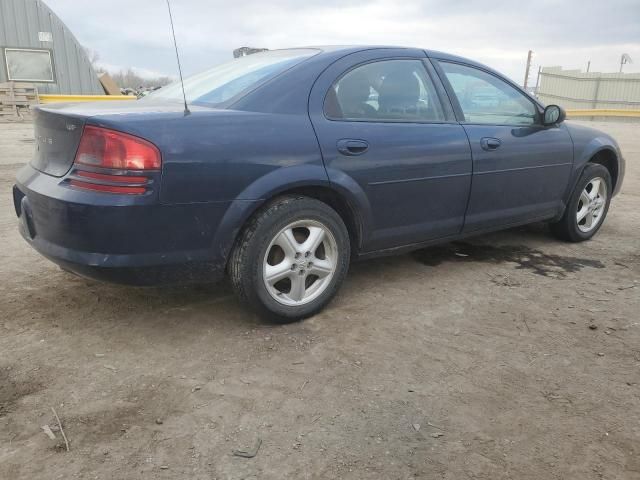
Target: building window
29 65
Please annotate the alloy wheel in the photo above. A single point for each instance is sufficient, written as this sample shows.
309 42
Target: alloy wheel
591 204
300 262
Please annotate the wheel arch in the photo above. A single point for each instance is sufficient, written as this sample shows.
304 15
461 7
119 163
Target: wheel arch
336 200
608 158
346 202
596 150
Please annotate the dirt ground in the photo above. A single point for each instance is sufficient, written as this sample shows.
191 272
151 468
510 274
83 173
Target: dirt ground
509 356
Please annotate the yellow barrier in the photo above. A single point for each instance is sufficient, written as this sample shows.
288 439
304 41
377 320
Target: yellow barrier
83 98
603 112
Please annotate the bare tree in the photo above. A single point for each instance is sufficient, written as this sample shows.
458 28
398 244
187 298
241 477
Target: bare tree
94 58
126 78
130 79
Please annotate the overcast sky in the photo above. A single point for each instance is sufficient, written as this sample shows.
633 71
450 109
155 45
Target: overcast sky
497 33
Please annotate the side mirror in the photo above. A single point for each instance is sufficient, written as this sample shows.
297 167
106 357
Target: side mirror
554 114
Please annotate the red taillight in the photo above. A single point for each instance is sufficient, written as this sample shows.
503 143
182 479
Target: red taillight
101 147
107 150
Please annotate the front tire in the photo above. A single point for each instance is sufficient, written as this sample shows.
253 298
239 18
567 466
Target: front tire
290 259
587 207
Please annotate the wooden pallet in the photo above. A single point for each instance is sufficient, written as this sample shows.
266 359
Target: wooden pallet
16 98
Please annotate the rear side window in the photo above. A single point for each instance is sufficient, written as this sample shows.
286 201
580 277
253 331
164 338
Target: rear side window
486 99
220 84
388 90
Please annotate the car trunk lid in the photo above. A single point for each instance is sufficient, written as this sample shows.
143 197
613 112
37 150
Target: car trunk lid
57 136
58 127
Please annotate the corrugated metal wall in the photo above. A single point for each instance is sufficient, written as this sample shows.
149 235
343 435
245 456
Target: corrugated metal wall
573 89
20 22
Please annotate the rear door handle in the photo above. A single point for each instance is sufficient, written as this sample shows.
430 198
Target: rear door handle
351 147
490 143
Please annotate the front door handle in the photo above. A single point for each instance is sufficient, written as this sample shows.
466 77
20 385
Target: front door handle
351 147
490 143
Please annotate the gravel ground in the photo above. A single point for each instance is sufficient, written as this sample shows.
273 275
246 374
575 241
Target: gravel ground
508 356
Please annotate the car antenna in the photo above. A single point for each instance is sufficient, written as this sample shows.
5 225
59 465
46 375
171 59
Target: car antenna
175 44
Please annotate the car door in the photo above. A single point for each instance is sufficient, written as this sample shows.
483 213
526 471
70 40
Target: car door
384 128
521 168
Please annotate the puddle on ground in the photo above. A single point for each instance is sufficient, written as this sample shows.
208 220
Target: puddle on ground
526 258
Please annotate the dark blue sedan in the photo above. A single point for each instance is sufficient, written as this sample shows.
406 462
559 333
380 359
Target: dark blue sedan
287 164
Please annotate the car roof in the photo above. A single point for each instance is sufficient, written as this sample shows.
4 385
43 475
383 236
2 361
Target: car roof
436 54
356 48
347 49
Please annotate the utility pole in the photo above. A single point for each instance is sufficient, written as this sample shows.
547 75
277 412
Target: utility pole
588 65
526 72
538 81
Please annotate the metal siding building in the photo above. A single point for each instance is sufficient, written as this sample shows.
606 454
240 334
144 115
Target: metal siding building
32 34
573 89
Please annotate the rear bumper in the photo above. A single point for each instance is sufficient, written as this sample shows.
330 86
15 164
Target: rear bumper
125 239
170 274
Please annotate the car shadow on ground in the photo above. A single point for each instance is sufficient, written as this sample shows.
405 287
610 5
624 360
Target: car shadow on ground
150 312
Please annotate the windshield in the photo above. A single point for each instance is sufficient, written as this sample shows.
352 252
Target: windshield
219 84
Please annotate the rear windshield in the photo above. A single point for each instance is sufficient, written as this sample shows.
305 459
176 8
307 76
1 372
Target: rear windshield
219 84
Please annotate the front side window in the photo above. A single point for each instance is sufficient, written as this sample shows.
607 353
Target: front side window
219 84
486 99
389 90
29 65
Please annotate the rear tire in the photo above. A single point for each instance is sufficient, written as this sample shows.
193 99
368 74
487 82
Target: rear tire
587 207
290 259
